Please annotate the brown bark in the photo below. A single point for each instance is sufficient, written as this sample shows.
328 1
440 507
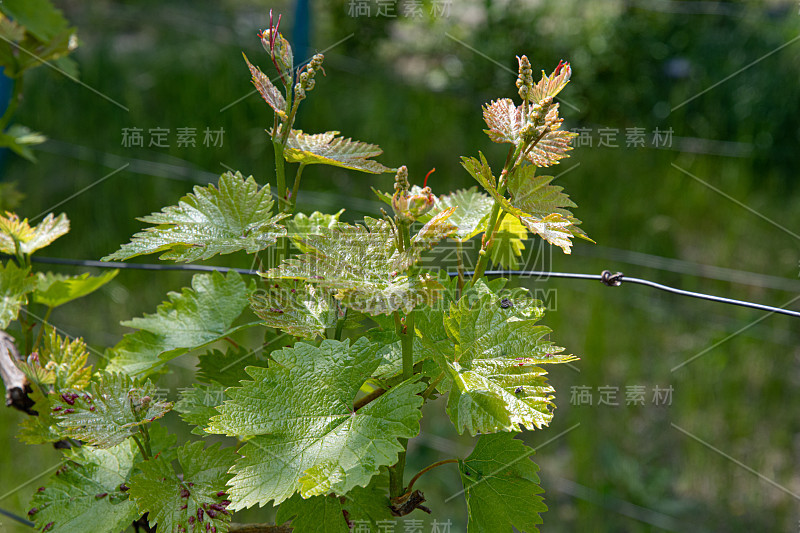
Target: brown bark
17 387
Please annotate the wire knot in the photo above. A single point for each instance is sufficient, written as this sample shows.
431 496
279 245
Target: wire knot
611 280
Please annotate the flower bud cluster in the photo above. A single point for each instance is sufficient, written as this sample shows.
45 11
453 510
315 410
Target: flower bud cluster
305 80
525 78
409 207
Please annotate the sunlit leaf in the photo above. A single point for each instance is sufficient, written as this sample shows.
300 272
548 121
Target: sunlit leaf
508 243
308 438
301 226
297 308
54 290
330 149
236 216
13 230
437 228
489 365
59 363
557 227
551 85
505 121
191 319
535 194
271 94
15 284
507 124
362 267
110 411
472 210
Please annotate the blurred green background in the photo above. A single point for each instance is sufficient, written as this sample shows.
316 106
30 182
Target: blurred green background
722 77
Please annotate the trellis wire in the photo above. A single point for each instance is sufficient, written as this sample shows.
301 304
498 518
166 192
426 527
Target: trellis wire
606 277
638 281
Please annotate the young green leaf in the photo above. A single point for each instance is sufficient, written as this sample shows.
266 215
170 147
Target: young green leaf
39 17
15 284
301 226
13 231
42 428
551 85
60 363
194 318
271 94
556 228
308 438
363 268
493 385
192 500
501 486
535 195
85 494
330 149
297 308
508 124
472 210
236 216
469 217
20 138
508 243
54 290
110 412
437 228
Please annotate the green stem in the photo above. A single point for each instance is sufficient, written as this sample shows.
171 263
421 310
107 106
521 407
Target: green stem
460 265
495 216
405 330
289 123
483 257
138 442
280 173
146 435
407 345
396 472
296 188
41 329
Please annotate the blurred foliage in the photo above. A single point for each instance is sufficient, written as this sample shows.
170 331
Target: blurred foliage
407 86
